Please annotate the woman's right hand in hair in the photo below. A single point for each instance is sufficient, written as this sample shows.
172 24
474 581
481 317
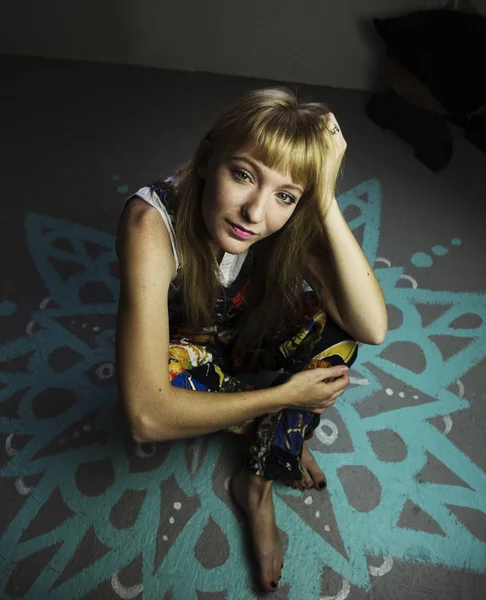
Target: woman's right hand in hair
314 390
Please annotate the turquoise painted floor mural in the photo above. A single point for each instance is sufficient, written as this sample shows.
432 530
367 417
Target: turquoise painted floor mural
93 515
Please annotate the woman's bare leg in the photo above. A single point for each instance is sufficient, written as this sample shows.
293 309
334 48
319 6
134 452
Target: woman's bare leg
254 494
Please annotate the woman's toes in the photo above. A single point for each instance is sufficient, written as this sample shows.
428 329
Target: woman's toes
310 465
273 578
302 485
309 481
277 577
268 584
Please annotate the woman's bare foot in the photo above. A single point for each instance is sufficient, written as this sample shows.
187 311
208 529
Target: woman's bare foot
254 495
314 477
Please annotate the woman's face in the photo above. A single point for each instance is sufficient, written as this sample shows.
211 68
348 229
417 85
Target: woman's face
244 201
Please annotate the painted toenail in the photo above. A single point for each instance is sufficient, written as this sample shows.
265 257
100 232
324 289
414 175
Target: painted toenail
322 484
274 585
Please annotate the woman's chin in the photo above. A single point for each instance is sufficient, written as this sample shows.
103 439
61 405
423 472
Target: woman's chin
233 246
230 244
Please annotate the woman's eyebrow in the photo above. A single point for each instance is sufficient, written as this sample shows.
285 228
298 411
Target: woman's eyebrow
257 168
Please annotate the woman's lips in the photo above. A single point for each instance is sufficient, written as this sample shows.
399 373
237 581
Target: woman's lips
241 231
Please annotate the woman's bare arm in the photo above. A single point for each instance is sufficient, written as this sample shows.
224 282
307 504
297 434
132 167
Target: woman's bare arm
355 299
155 409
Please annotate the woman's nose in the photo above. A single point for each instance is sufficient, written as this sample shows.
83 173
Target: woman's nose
254 209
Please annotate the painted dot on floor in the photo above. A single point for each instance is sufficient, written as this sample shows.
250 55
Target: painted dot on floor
62 441
420 259
440 250
96 328
389 391
327 528
30 326
122 189
415 397
165 538
402 395
177 505
76 434
308 500
456 242
45 302
83 325
116 177
7 308
72 322
172 520
87 427
105 370
318 514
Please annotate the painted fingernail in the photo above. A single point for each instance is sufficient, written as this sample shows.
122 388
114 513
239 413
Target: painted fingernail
274 585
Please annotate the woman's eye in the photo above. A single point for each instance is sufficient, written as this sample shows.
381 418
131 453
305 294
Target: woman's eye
289 200
237 172
243 176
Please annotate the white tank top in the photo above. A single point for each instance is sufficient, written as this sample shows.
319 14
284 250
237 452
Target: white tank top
230 265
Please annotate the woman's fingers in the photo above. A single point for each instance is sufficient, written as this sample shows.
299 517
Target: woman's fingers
337 385
329 372
331 399
319 387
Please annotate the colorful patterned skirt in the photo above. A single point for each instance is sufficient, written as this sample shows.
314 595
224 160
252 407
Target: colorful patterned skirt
207 362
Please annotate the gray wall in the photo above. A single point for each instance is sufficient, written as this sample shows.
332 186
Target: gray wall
319 42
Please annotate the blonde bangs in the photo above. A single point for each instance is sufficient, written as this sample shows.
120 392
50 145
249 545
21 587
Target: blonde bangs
291 146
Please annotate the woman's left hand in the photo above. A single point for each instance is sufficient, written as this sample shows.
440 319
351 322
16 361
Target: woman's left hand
337 144
335 147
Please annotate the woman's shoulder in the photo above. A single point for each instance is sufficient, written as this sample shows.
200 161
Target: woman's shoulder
139 220
142 239
159 193
141 209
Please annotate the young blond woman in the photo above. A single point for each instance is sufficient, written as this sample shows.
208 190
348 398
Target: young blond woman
242 261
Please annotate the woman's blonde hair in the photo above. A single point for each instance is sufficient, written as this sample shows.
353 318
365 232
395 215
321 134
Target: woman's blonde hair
287 135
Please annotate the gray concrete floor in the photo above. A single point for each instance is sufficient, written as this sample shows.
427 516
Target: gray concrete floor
85 512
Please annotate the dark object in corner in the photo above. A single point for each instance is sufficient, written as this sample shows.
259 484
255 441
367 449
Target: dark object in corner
437 59
475 130
426 131
446 50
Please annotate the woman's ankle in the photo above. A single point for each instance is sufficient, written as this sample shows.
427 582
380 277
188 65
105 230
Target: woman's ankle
259 487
